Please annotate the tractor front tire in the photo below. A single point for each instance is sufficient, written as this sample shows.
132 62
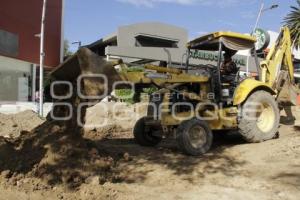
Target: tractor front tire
194 137
143 134
259 117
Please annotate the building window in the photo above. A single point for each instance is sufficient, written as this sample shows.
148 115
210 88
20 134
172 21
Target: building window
154 41
9 43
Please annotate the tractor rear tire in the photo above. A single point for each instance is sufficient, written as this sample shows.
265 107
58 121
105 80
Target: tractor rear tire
194 137
259 117
143 134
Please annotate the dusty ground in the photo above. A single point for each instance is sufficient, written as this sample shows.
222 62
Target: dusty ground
107 164
12 125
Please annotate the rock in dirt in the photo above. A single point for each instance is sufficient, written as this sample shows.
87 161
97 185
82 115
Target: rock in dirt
94 180
126 156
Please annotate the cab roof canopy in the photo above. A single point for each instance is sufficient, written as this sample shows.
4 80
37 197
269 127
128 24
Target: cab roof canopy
232 41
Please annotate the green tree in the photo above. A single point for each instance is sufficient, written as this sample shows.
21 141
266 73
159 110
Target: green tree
292 20
67 51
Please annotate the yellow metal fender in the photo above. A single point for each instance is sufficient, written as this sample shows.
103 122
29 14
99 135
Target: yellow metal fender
246 87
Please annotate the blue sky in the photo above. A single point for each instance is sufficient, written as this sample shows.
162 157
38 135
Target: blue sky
90 20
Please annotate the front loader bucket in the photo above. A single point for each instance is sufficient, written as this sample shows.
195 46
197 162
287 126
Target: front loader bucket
93 73
91 77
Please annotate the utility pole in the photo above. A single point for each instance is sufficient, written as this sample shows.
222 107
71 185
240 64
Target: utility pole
42 58
261 10
252 33
258 18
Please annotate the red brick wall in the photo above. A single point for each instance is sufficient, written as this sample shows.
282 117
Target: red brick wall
23 17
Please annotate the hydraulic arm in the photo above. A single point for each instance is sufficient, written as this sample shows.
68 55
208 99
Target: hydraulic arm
279 59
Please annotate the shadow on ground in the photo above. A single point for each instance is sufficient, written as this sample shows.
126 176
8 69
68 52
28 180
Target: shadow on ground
290 178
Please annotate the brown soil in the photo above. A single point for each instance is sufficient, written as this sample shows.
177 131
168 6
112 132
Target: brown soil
51 162
11 126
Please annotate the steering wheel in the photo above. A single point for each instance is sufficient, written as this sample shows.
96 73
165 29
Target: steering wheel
213 68
210 66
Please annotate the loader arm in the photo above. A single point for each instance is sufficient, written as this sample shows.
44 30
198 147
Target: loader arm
277 70
279 59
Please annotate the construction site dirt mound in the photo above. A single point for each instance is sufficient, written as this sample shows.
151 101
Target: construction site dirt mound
12 125
53 154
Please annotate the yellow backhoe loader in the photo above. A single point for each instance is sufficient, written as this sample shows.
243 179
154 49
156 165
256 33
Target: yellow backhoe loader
191 101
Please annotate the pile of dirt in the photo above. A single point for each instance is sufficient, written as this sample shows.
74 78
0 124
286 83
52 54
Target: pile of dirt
11 126
56 153
55 156
52 155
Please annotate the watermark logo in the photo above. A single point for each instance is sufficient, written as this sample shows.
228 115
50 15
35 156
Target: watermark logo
180 105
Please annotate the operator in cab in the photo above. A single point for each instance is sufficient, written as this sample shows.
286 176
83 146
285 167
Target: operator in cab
228 68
